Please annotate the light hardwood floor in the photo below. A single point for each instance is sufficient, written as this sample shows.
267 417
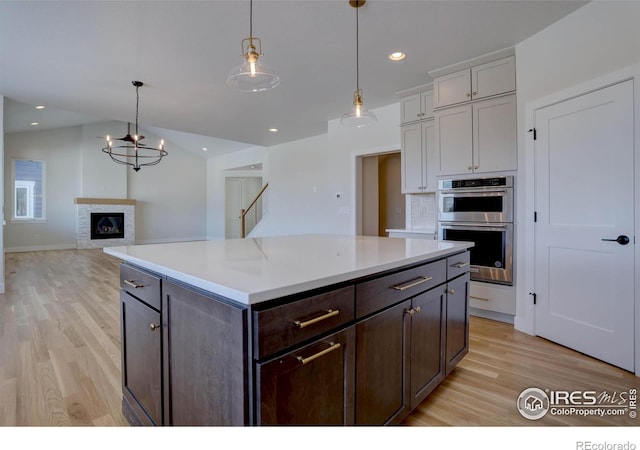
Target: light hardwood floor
60 355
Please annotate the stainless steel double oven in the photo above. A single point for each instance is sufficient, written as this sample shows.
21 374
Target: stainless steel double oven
480 210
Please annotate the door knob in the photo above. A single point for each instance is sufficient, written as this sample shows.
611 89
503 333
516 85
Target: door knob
622 240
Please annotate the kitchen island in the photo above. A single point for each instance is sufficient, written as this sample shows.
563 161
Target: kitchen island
311 329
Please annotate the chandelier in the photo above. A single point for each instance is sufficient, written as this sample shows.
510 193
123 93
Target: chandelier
358 116
133 152
252 75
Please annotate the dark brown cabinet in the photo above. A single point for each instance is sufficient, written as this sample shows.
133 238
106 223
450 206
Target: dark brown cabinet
427 344
399 358
205 359
141 339
457 321
362 352
381 366
312 385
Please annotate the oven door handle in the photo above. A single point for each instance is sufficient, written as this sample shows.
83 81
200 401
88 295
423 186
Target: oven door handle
476 227
468 193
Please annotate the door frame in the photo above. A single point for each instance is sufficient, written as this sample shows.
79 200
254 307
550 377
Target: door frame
356 168
525 312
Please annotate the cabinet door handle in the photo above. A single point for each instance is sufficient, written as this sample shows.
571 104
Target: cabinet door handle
133 284
475 167
153 326
468 94
332 346
418 309
420 280
460 265
469 167
330 313
411 311
451 291
474 93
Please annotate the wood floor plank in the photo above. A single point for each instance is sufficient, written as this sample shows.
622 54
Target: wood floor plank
60 356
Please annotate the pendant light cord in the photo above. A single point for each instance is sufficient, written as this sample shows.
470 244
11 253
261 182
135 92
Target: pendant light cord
357 53
250 18
137 103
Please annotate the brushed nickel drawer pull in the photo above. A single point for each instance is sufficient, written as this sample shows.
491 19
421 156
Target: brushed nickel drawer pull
480 298
133 284
153 326
330 313
332 346
420 280
460 265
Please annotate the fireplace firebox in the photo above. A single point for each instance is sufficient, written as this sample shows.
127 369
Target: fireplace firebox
107 225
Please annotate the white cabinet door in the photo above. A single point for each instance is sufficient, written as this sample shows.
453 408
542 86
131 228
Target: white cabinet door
426 99
453 140
493 78
410 109
494 134
452 88
411 158
429 156
416 107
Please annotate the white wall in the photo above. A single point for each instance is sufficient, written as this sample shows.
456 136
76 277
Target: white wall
2 191
304 177
597 39
59 149
99 178
171 195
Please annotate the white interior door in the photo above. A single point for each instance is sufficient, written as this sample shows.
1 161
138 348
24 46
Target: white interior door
233 207
583 195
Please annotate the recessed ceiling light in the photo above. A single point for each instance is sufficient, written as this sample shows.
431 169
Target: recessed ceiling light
35 123
40 107
397 56
204 149
273 130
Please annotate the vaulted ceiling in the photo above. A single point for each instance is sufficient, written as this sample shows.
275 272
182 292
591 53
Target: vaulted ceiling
79 57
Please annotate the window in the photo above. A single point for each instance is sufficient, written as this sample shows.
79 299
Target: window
28 190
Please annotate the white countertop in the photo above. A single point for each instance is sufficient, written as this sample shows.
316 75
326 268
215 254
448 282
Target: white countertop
253 270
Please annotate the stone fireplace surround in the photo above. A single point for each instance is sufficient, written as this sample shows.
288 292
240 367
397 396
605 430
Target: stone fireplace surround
85 206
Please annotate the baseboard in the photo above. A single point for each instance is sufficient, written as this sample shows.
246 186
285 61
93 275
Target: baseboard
169 240
500 317
39 248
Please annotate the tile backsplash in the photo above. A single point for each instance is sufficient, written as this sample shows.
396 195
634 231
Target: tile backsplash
422 211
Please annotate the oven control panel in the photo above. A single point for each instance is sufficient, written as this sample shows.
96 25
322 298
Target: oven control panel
476 183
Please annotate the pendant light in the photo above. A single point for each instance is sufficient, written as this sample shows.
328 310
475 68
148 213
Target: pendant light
252 75
358 116
133 152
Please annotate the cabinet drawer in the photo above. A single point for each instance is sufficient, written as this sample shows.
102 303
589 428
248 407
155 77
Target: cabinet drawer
376 294
283 326
140 284
457 265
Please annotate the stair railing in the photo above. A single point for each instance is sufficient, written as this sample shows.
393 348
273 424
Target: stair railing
244 212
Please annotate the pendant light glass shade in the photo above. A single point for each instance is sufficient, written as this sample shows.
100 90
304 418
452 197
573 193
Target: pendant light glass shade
358 116
252 75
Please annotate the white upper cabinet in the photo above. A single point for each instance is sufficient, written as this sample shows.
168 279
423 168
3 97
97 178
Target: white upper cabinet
418 158
477 82
478 137
416 107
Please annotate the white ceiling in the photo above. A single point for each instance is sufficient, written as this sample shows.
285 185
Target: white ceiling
78 58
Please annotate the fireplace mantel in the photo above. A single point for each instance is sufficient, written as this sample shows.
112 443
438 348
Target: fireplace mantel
103 201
